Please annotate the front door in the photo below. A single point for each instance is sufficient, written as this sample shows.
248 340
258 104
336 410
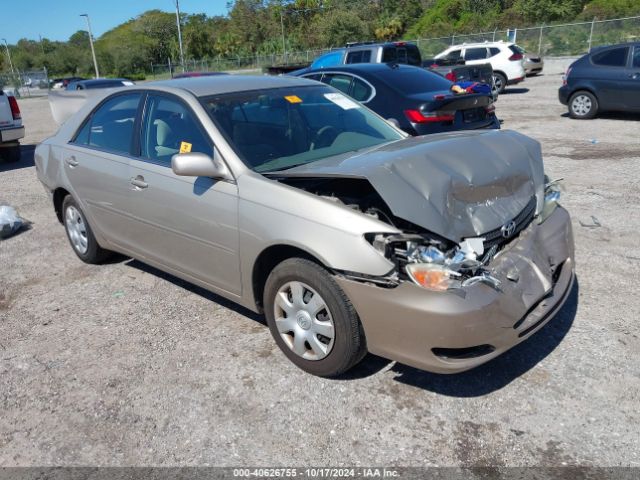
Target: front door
187 224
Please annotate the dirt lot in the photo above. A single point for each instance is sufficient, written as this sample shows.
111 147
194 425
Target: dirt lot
123 365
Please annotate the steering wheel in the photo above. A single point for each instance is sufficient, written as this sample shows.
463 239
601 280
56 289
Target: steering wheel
325 137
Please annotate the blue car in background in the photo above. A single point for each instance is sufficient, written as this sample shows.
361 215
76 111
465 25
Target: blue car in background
607 79
416 100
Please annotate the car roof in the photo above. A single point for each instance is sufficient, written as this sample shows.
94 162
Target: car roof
218 84
99 80
481 44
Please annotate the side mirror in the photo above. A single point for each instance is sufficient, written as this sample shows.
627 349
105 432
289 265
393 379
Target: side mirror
199 165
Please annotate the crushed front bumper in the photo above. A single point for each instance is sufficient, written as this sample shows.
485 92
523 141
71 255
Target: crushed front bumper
453 331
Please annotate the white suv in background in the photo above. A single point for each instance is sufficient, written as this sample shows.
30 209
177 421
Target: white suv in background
506 59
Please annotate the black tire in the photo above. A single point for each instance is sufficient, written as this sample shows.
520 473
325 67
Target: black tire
11 154
583 105
94 253
349 345
500 82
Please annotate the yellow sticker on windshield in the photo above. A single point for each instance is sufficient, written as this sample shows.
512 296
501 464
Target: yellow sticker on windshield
185 147
293 99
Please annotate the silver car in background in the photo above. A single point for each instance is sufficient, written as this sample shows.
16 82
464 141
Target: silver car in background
290 198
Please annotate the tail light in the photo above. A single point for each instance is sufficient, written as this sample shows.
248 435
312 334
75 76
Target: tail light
15 109
515 57
451 76
565 77
416 116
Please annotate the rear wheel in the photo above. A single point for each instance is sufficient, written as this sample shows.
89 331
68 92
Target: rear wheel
79 233
583 105
499 82
312 319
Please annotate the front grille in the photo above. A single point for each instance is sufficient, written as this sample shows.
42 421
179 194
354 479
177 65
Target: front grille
523 219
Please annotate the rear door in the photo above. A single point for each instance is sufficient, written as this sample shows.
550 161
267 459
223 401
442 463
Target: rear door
96 162
186 224
610 76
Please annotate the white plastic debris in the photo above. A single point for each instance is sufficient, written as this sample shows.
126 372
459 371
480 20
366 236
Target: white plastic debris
10 222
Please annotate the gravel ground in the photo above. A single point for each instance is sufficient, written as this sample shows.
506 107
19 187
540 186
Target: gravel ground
121 364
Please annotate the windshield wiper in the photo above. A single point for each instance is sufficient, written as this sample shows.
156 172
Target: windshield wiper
282 168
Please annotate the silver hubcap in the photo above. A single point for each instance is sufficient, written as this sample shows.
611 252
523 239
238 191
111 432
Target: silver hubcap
581 105
497 83
77 229
304 321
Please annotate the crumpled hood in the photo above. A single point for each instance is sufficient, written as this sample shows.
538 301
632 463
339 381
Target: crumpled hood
457 185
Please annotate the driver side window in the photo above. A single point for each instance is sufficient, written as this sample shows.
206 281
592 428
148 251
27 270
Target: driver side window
170 127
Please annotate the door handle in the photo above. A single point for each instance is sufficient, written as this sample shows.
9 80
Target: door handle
139 182
71 161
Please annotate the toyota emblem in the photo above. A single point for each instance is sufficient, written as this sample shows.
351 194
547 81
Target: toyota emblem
508 229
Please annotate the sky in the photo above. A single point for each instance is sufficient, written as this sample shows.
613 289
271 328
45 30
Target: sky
59 19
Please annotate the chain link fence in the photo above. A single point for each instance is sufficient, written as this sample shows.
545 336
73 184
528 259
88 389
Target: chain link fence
569 39
25 83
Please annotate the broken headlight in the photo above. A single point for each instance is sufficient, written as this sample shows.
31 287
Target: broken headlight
436 265
551 198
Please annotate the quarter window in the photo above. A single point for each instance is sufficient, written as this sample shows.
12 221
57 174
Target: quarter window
360 91
171 128
615 57
493 51
636 57
110 127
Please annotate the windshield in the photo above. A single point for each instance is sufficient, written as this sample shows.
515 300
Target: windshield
277 129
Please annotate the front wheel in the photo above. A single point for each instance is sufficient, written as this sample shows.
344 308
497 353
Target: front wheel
583 105
311 318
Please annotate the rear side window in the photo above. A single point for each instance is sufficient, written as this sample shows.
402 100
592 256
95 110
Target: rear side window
615 57
475 53
493 51
405 54
516 49
341 82
110 127
360 56
636 57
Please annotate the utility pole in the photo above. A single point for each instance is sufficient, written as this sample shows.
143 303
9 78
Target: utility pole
6 45
179 33
93 51
284 44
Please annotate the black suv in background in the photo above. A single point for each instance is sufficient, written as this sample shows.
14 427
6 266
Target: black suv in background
607 79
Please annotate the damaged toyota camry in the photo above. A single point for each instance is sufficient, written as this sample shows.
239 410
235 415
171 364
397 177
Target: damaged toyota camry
290 198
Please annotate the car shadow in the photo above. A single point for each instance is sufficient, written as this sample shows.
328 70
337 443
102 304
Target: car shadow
511 91
502 370
623 116
26 160
133 263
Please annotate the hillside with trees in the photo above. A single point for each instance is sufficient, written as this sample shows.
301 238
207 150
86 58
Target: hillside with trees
254 27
